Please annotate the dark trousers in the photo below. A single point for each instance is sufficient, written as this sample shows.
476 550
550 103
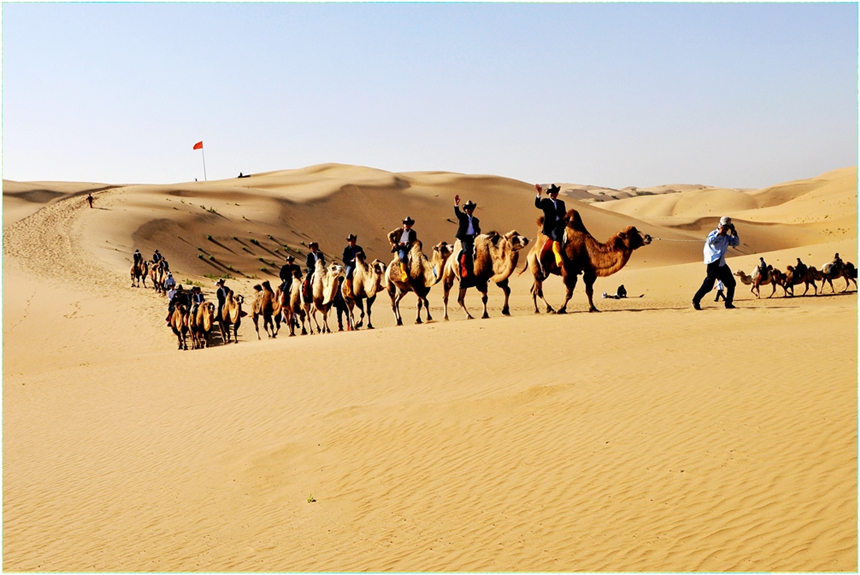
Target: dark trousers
468 244
717 272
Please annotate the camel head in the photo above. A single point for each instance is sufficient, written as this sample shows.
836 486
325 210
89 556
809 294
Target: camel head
518 241
258 288
444 249
335 270
632 239
378 266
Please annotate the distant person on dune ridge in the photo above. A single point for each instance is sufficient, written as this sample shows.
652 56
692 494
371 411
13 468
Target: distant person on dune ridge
90 200
716 246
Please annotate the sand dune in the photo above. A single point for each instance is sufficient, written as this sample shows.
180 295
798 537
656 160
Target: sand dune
649 437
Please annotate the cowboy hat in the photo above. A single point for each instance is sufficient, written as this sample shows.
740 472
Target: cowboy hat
553 189
313 245
408 221
470 205
291 259
351 237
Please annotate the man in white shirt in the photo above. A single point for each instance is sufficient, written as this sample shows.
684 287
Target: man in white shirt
716 246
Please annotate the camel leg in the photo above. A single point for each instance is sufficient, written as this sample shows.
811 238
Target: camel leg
569 285
503 285
537 292
446 291
419 305
255 318
370 301
484 300
427 308
395 305
461 299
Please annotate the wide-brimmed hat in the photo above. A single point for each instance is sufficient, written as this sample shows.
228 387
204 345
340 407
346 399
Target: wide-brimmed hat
470 205
351 237
408 221
553 189
725 221
291 259
313 245
220 282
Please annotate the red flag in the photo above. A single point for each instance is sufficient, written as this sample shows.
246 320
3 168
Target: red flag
198 145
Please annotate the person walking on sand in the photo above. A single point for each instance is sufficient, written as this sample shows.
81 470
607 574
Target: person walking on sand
90 200
553 221
401 241
716 246
468 229
349 253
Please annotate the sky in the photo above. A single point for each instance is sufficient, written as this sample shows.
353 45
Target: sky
610 94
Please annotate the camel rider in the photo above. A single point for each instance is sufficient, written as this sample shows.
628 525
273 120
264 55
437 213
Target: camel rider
553 220
196 299
156 257
836 265
467 230
169 282
801 269
162 263
179 297
349 253
286 274
221 294
401 241
138 258
310 263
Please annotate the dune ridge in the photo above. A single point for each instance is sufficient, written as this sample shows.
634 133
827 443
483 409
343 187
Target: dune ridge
649 437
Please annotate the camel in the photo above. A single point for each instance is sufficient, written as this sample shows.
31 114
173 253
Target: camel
292 306
156 274
201 323
792 278
496 258
780 279
848 271
324 284
367 281
179 324
756 280
267 306
138 273
423 274
231 315
581 253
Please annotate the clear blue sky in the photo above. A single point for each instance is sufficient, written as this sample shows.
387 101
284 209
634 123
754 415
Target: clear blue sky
738 95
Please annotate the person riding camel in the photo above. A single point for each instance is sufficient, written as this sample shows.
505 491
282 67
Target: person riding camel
138 257
163 265
762 267
310 264
553 221
836 265
800 270
468 229
349 253
196 299
179 297
169 283
156 257
401 241
286 274
221 294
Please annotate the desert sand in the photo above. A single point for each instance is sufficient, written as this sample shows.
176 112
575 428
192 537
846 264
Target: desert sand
648 437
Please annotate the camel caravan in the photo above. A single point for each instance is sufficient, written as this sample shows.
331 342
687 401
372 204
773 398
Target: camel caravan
303 303
799 274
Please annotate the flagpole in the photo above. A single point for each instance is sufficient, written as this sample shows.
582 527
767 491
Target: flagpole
204 163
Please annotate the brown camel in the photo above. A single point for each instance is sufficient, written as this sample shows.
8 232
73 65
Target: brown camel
267 306
156 274
367 281
200 324
138 273
793 278
756 280
179 324
779 279
324 283
847 271
292 306
231 315
496 258
423 274
581 253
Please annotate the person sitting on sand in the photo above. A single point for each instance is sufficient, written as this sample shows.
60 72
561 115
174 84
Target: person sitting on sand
468 229
620 293
401 240
349 253
553 221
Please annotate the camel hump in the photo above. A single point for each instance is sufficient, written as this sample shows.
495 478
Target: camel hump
574 221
